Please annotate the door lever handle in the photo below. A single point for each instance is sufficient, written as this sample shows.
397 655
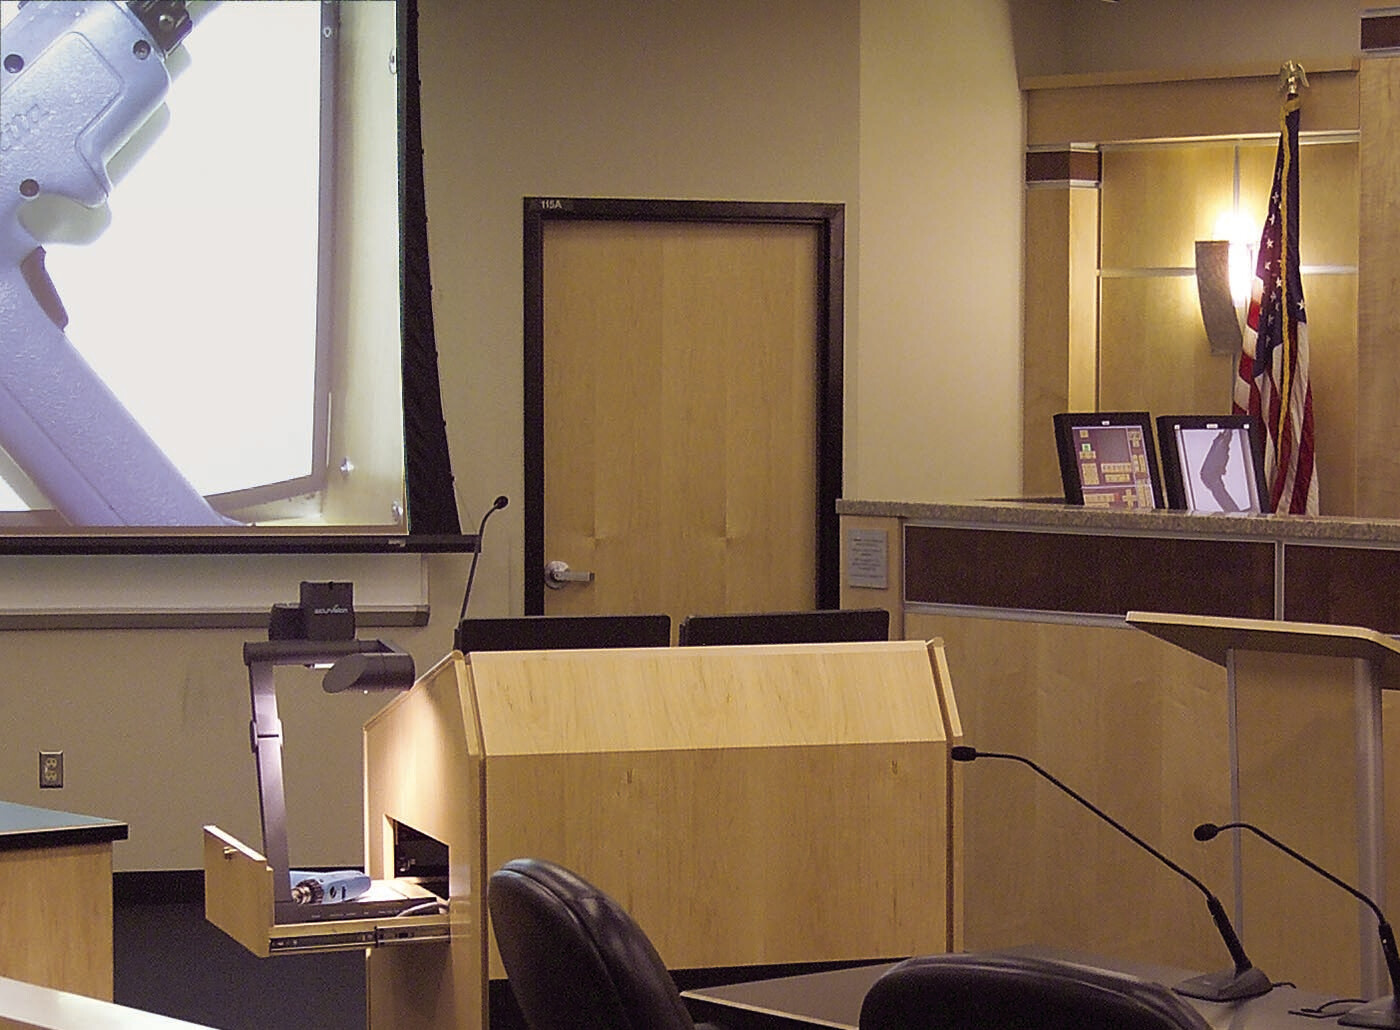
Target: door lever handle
558 573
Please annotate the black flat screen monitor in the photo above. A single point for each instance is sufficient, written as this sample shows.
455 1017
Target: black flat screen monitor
1213 463
562 632
1108 459
827 626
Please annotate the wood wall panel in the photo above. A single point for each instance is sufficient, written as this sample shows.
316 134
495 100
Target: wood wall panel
1335 373
1045 371
1153 352
1084 208
1329 215
1060 324
1157 201
1378 315
1134 724
1100 110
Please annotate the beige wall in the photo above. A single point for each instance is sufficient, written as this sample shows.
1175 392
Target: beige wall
734 101
935 356
907 112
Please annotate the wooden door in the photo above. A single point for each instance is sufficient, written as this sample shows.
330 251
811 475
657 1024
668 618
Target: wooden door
683 406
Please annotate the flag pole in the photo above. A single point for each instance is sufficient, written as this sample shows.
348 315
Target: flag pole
1293 79
1273 362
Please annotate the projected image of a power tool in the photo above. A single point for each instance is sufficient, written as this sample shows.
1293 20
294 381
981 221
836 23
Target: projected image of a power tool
77 80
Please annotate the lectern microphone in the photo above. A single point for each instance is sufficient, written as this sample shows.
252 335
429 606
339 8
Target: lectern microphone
1244 981
1383 1013
496 505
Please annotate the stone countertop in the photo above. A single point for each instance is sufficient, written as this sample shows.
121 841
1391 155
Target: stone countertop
1036 514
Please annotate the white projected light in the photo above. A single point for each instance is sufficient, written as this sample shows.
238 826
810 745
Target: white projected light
225 310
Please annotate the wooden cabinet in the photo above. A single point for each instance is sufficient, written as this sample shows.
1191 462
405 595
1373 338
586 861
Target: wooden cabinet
56 898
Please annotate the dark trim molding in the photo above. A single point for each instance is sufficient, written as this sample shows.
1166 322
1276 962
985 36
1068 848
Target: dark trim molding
830 219
1087 574
1380 30
159 887
1342 586
180 542
99 619
1064 167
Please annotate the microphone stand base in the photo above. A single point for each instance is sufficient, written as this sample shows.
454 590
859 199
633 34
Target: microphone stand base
1381 1014
1228 985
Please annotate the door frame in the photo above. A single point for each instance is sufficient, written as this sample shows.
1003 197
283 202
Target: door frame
830 220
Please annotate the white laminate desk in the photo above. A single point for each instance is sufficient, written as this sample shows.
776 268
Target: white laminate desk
25 1006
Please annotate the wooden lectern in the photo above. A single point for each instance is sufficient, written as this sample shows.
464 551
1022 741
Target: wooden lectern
1306 766
747 805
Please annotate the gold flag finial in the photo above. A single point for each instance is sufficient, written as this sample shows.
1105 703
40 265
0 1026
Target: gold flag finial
1292 78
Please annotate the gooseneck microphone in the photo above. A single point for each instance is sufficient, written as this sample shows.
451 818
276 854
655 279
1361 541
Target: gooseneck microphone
1383 1013
1244 981
496 505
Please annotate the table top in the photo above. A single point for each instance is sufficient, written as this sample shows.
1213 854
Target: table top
1031 514
30 1005
832 999
24 826
1213 637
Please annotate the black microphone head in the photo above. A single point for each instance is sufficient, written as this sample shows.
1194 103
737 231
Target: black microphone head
496 505
962 753
1206 831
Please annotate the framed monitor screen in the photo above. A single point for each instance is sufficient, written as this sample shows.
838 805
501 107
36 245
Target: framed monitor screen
1213 463
1108 460
202 317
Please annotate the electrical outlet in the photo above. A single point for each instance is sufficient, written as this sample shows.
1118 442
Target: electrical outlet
50 769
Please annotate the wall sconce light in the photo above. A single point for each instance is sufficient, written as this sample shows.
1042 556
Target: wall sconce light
1218 308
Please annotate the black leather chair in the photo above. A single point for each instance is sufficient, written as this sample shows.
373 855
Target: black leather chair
1012 992
574 958
830 625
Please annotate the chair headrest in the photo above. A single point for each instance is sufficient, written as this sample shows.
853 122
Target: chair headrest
574 957
993 990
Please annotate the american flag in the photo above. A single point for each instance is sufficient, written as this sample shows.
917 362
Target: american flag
1273 383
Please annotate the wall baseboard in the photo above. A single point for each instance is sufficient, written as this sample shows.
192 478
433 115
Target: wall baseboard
159 887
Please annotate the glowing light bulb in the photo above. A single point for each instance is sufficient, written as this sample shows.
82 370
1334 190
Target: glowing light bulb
1243 238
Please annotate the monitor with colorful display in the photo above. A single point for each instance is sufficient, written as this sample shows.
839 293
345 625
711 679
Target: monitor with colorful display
1108 459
